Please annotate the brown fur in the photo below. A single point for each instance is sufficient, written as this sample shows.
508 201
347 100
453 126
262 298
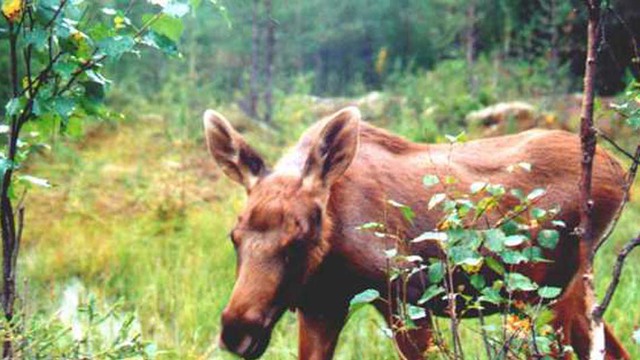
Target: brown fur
346 170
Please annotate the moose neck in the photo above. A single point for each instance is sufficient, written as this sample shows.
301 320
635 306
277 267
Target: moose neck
386 168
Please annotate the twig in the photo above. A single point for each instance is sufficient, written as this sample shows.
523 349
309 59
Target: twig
81 70
485 336
56 14
617 272
630 33
606 137
631 176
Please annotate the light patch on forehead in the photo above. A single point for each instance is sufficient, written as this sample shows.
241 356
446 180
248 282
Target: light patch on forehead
290 165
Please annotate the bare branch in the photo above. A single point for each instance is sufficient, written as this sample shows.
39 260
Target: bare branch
617 272
631 176
606 137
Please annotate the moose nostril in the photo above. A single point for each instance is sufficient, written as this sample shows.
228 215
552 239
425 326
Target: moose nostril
253 317
250 318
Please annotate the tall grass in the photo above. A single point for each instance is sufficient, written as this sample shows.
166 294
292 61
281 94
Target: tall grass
141 215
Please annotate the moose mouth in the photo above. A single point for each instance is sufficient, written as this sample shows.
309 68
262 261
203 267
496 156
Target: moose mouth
248 347
249 341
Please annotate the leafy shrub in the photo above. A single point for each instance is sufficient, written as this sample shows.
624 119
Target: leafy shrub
81 328
486 246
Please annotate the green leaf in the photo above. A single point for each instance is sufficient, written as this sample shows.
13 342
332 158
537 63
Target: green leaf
64 69
494 240
536 193
37 38
166 25
36 108
494 265
35 181
478 281
513 257
544 345
5 165
360 300
548 238
491 295
477 186
462 255
435 200
515 240
406 211
461 137
549 292
534 254
365 297
109 11
430 180
97 78
160 42
435 272
538 213
510 227
496 190
370 226
116 46
450 180
431 235
519 282
416 312
14 106
64 106
517 193
391 253
431 292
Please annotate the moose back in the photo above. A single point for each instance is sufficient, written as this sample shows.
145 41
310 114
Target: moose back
297 240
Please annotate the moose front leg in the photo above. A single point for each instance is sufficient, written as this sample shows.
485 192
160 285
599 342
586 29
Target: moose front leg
319 333
411 344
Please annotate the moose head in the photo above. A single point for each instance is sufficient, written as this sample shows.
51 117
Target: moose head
280 236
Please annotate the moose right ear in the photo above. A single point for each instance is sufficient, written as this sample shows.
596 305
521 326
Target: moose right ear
232 153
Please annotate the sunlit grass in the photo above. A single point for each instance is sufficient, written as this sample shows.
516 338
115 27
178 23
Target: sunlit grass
138 215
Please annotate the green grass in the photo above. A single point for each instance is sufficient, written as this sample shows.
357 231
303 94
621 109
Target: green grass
140 216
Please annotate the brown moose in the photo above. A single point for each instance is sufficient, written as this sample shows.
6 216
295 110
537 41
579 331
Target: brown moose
298 246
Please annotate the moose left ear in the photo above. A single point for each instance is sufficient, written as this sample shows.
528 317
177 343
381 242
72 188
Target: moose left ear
334 150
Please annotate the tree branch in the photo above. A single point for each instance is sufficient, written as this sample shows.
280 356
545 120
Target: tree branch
631 176
617 272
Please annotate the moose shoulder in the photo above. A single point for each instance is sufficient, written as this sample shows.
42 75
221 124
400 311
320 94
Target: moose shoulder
298 245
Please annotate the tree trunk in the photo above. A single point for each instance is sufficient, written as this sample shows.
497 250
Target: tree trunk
10 241
554 58
588 141
268 69
470 38
255 61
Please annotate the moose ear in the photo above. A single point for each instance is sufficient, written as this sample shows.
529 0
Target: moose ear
232 153
334 150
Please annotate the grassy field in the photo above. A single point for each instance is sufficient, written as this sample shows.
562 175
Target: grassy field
139 214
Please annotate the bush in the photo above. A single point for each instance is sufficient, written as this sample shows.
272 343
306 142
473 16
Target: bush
486 250
82 328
